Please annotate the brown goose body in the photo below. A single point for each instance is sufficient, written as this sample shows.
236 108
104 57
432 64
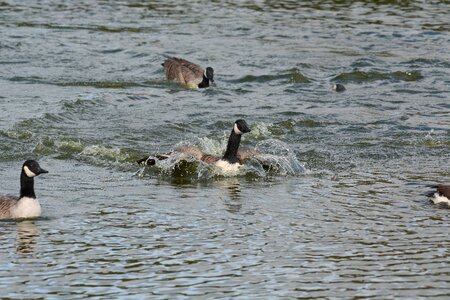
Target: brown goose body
7 204
195 152
242 155
444 190
187 73
233 156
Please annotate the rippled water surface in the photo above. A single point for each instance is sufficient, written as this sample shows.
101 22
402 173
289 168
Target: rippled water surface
344 214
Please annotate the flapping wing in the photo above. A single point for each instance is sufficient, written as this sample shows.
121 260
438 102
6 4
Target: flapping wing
247 153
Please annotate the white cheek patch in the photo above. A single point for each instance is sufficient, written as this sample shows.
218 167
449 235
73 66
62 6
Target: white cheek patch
204 73
236 129
28 172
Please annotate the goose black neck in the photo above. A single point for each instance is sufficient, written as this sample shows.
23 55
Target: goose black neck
232 148
26 186
204 83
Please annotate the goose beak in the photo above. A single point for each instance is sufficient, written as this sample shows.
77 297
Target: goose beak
244 128
42 171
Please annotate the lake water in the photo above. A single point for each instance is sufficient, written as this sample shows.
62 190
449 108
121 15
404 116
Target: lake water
344 215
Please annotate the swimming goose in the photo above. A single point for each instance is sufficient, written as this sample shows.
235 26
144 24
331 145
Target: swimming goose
231 160
440 195
337 87
185 72
26 205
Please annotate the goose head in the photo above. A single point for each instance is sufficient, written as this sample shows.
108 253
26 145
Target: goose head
241 127
209 73
31 168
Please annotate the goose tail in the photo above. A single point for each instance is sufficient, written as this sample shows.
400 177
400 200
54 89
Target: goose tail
146 161
151 161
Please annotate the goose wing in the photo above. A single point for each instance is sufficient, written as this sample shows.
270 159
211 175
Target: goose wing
193 151
183 71
247 153
6 203
209 159
194 68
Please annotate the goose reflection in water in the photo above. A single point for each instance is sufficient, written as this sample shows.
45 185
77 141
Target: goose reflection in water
27 234
233 188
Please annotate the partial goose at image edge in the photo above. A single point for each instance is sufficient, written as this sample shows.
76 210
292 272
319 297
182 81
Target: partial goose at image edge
440 194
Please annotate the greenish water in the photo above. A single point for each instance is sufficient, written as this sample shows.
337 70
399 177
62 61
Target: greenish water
344 215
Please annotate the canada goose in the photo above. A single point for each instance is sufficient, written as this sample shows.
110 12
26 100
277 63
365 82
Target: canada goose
441 194
185 72
337 87
26 205
231 160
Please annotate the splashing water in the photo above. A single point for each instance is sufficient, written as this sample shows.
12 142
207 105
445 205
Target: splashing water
273 158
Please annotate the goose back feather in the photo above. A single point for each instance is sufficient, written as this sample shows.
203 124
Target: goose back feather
7 203
183 71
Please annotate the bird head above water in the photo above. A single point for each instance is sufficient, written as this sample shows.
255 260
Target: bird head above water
241 127
209 74
31 168
337 87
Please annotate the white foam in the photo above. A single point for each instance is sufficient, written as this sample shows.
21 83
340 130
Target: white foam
26 208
